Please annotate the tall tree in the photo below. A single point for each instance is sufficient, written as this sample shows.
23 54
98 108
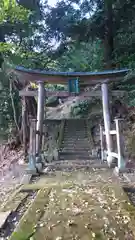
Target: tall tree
108 33
16 27
85 20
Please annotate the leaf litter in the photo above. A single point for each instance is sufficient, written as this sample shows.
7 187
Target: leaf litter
85 210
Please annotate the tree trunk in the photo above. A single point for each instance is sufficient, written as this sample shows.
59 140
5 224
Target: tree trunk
29 112
108 35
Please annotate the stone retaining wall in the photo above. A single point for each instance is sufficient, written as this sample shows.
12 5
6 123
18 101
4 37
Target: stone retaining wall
50 148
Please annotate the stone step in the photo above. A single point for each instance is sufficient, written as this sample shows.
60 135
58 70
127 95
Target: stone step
76 142
75 135
75 145
73 140
85 148
75 129
75 124
74 157
75 148
78 129
81 127
72 133
76 138
76 153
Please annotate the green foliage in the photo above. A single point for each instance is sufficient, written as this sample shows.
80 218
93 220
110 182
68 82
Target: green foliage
85 108
11 12
80 109
33 60
56 87
82 57
6 110
17 27
82 21
124 41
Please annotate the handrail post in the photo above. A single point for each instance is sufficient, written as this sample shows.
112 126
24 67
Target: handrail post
121 163
32 147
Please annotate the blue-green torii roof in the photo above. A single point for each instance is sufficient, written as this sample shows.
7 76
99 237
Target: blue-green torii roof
85 78
71 74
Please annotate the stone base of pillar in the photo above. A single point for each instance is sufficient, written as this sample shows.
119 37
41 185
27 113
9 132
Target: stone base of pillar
117 171
121 168
32 166
39 164
121 163
111 162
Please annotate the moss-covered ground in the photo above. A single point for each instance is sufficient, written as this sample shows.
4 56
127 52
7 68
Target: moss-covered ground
77 205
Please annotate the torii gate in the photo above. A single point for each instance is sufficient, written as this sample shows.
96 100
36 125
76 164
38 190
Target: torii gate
79 81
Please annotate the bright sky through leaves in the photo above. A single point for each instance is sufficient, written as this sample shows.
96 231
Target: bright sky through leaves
52 2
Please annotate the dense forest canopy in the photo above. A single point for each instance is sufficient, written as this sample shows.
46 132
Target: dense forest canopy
33 28
77 35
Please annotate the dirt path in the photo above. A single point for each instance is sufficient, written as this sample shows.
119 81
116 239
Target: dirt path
80 204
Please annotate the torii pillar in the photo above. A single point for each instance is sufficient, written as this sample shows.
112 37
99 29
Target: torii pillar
35 158
106 115
40 116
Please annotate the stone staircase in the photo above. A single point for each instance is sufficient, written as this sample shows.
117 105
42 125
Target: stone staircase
75 144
